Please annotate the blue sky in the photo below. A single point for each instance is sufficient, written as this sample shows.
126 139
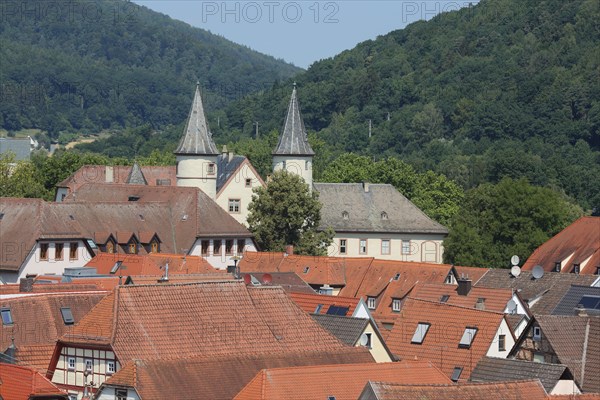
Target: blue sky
301 32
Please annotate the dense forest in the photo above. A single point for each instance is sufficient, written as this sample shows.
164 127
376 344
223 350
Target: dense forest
87 66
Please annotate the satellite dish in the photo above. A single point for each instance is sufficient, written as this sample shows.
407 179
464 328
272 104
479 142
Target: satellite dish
537 272
247 279
512 306
514 260
515 271
267 279
364 339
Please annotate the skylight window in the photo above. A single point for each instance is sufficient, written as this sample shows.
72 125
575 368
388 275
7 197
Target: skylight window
1 216
67 315
306 269
467 337
420 332
397 276
456 374
337 310
6 316
444 298
318 308
590 302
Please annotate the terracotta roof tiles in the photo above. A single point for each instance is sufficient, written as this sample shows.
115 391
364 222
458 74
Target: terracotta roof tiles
311 302
19 383
495 299
344 382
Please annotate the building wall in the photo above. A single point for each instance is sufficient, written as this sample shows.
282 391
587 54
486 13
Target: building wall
536 349
222 260
509 342
34 264
193 171
108 393
236 188
422 247
565 386
297 165
63 375
377 349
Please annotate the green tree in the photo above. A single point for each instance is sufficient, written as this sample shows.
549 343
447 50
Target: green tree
287 213
512 217
19 178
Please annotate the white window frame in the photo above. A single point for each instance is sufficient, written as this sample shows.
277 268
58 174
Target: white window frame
396 305
406 247
111 367
71 363
343 246
89 365
501 342
371 303
386 250
420 332
360 246
537 333
466 341
234 206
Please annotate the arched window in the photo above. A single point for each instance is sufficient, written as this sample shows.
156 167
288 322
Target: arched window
384 216
345 215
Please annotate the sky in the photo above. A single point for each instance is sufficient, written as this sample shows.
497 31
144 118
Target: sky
301 32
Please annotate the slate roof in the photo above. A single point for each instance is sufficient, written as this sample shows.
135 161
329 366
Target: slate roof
575 339
440 345
542 294
217 378
495 299
530 390
177 215
22 383
21 148
207 319
37 320
365 210
568 304
197 139
344 382
310 302
347 329
490 369
226 167
578 243
136 176
293 139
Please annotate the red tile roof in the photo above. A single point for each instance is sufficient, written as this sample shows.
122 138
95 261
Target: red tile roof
20 383
150 264
578 243
218 378
40 288
516 390
495 299
36 356
208 319
96 174
310 302
440 344
341 381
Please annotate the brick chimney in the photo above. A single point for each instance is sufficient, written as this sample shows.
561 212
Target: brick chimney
26 285
464 286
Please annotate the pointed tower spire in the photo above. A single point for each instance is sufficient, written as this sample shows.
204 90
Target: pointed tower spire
136 176
197 139
293 139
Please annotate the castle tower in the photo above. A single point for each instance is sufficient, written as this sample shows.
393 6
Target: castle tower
293 152
197 153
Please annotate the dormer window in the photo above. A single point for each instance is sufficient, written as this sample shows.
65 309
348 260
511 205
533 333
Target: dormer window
132 249
557 266
73 250
384 216
110 247
396 304
371 303
576 268
345 215
154 247
43 251
58 251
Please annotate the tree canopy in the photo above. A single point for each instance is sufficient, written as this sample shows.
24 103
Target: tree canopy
286 212
501 220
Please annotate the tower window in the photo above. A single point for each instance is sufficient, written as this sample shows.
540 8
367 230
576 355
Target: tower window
248 182
211 169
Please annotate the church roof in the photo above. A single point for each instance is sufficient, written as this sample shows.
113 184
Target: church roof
136 176
197 139
293 139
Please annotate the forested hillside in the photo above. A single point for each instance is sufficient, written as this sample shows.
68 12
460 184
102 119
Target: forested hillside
507 88
85 66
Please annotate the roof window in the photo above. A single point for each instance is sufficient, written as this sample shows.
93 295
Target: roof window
67 315
420 332
467 337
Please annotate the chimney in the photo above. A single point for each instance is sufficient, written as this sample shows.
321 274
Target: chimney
26 285
289 250
580 311
224 151
110 174
480 304
366 187
464 286
230 155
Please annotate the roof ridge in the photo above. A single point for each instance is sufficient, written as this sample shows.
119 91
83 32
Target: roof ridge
455 305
